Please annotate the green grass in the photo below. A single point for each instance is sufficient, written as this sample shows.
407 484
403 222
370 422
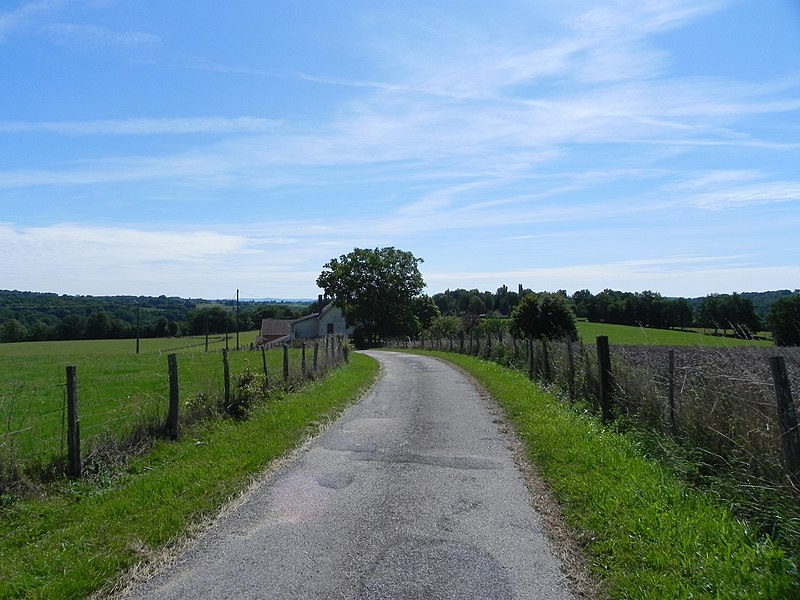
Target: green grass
645 336
648 535
83 535
127 346
117 389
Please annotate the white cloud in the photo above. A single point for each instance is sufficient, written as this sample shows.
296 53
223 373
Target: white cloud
92 35
672 276
27 13
163 126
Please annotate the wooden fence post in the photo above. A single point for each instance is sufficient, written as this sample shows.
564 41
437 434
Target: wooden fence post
673 424
545 361
531 370
461 342
172 413
74 466
226 377
787 419
303 360
315 359
606 379
571 369
264 363
285 363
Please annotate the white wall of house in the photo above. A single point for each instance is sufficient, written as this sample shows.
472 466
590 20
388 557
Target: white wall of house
305 328
329 321
333 322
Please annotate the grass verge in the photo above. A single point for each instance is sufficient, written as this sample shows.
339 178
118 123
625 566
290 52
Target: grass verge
83 535
648 535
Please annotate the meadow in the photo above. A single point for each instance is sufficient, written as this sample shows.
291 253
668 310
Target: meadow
119 392
648 336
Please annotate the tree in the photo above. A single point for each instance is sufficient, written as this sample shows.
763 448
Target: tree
375 290
710 312
98 326
13 331
445 327
211 319
784 321
424 311
72 327
545 316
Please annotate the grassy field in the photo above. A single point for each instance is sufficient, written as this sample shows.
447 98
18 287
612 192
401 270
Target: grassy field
645 336
80 536
648 535
117 389
128 346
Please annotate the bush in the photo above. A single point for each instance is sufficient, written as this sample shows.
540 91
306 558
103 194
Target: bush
784 320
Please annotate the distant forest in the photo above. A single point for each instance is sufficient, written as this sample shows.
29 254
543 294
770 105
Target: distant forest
34 316
740 314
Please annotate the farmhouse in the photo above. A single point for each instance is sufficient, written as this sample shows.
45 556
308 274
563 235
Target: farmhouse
329 321
274 331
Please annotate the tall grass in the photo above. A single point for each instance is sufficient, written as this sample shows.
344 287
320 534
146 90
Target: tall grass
648 534
722 436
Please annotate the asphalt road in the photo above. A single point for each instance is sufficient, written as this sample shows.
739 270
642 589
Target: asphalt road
412 494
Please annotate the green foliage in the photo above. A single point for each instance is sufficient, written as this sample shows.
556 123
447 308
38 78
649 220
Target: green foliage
784 320
211 319
50 316
728 311
545 316
13 331
445 328
375 289
425 312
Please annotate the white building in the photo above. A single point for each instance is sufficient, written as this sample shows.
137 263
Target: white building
329 321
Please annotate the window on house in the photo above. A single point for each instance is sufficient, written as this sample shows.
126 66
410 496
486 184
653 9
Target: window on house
330 328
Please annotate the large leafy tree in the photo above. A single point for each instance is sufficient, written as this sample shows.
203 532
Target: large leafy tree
545 316
784 320
375 290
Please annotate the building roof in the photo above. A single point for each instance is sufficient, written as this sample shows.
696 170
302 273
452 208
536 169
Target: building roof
325 310
273 327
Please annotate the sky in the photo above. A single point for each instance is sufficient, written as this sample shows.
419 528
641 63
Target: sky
194 149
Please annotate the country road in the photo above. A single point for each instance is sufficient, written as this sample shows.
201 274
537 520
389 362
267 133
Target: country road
412 494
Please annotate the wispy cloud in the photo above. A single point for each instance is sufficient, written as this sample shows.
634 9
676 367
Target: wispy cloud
92 35
24 15
179 126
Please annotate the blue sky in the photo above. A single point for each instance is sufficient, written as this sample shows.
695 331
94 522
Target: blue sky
195 148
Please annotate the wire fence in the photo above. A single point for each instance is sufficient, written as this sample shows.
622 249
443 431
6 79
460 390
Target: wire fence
720 400
123 400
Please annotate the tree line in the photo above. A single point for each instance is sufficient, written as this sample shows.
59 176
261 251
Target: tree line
380 293
35 316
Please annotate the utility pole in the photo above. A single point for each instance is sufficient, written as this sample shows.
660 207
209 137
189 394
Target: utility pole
138 307
237 320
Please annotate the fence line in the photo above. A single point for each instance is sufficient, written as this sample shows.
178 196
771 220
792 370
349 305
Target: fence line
723 401
53 444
